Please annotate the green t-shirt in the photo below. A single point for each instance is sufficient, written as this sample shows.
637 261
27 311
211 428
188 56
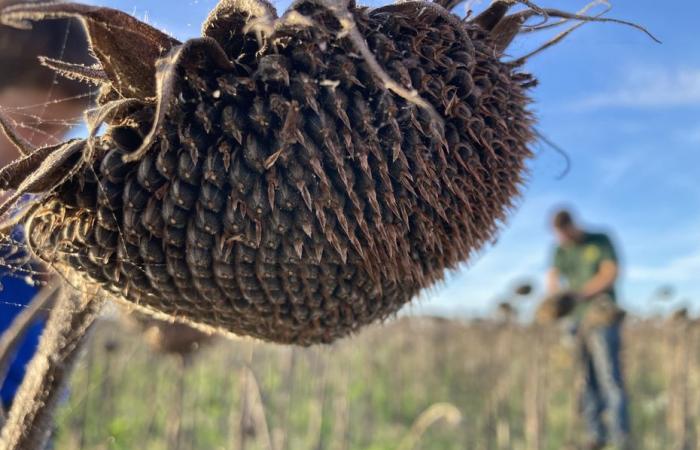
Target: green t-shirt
578 263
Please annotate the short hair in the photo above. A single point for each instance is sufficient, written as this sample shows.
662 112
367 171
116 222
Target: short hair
57 38
562 219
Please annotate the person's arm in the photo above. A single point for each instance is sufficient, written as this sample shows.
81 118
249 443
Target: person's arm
603 280
553 280
607 273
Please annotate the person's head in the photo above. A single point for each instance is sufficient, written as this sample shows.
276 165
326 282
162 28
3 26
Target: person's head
32 93
565 227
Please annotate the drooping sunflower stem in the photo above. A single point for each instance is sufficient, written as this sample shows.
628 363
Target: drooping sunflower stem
29 422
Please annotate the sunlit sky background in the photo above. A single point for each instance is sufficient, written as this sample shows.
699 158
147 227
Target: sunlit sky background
626 111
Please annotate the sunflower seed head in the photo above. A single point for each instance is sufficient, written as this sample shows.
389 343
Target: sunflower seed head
292 195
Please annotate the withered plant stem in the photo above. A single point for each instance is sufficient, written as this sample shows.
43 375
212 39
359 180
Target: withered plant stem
30 420
12 337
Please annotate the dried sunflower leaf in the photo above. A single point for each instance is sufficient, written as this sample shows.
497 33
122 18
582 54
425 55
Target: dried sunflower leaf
126 47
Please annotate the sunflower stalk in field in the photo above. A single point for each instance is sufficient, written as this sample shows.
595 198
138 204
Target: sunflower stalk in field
28 425
433 414
12 337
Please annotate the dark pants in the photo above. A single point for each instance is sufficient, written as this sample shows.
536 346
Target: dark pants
603 391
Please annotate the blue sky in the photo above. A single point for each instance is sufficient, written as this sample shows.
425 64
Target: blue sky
626 111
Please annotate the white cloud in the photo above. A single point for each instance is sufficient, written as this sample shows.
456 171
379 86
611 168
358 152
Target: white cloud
613 168
650 87
684 268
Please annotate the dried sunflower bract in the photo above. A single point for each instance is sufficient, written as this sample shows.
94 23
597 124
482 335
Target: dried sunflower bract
291 178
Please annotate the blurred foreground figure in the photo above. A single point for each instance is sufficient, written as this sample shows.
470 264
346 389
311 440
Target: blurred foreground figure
585 269
43 106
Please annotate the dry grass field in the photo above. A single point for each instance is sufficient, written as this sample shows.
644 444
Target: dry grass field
415 383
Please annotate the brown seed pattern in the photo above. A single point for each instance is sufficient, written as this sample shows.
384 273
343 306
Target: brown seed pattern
292 196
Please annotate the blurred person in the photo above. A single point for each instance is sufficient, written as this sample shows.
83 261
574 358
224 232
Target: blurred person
44 106
585 264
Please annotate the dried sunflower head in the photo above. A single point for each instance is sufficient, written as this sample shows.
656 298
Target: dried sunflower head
556 306
290 178
523 290
167 337
602 312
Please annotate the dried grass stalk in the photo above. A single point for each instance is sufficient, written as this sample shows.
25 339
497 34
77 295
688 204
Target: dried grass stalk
30 420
